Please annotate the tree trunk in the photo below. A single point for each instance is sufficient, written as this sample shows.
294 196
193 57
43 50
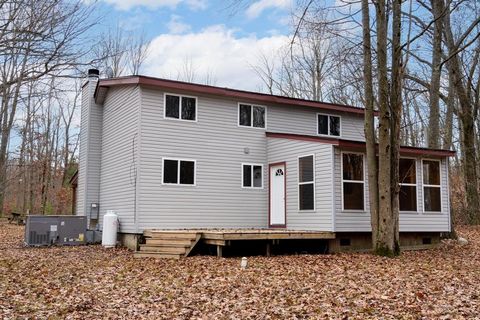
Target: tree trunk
386 242
434 120
396 106
467 120
369 121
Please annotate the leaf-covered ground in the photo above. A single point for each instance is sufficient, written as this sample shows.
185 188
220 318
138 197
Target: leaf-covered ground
93 283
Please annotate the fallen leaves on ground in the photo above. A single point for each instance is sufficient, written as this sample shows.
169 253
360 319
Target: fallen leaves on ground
90 282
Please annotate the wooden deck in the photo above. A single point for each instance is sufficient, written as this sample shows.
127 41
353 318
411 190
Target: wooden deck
178 243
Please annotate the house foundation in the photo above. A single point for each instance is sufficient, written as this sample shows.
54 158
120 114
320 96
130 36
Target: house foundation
130 241
362 241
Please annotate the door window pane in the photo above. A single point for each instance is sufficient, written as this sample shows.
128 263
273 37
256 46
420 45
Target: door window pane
322 124
170 171
187 172
188 108
245 116
306 196
172 106
334 126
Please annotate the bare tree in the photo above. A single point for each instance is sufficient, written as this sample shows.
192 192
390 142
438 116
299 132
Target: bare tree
137 52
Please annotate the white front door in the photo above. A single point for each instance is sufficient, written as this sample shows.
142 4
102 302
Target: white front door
277 195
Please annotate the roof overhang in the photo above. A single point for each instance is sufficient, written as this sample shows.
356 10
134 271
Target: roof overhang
104 84
361 146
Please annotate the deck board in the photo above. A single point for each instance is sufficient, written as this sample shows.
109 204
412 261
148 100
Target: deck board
248 234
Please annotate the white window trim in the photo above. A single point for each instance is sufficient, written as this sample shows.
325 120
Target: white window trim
251 164
353 181
434 186
251 114
411 185
306 182
328 123
179 107
178 172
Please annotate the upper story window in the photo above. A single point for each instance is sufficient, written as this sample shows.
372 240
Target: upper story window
353 181
408 184
306 183
179 171
328 125
180 107
251 116
432 199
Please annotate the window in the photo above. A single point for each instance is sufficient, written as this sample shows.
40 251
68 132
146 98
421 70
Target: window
306 183
251 116
328 125
353 181
408 184
180 107
177 171
252 175
431 186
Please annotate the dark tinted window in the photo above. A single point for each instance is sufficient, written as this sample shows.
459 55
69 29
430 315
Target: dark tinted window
353 196
245 116
258 117
172 106
352 166
170 171
408 198
322 124
257 176
306 196
407 172
334 126
247 176
305 167
432 199
189 108
431 172
187 172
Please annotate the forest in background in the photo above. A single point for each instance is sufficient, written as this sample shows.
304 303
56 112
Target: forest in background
46 47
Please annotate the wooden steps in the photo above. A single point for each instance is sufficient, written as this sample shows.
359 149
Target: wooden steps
162 244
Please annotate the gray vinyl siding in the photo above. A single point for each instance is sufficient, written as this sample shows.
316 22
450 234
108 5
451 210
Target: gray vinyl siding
284 150
302 120
409 221
134 137
219 147
90 150
119 155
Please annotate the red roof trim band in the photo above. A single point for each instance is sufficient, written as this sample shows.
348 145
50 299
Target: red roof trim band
226 92
359 145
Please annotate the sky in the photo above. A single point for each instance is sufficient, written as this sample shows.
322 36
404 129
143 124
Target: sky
216 39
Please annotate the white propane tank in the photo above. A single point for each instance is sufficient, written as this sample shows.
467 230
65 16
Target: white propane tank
110 228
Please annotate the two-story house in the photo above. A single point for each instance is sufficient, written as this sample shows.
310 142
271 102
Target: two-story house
166 154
